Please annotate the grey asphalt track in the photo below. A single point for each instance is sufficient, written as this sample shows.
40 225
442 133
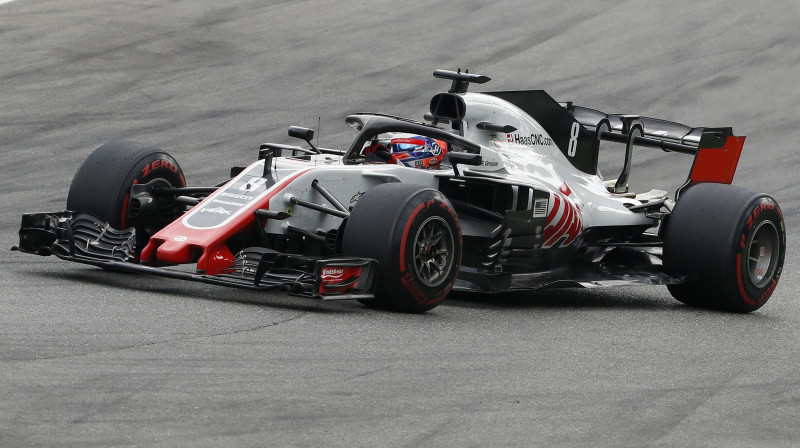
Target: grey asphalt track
92 358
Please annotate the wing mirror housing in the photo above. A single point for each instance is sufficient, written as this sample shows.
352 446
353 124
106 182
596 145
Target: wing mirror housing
464 158
301 133
495 127
305 134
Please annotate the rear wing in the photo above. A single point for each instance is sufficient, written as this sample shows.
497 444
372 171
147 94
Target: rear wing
716 150
686 137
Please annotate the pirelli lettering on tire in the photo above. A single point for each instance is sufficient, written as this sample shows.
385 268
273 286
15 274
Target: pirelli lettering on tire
764 205
758 270
156 164
413 288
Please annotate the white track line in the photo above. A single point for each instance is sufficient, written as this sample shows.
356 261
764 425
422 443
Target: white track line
5 1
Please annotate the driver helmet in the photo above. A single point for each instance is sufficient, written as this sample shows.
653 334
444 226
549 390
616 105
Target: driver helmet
417 151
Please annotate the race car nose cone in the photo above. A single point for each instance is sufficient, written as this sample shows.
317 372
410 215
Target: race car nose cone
175 252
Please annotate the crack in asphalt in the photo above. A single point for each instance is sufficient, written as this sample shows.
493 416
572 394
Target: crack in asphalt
85 418
367 373
178 339
425 437
703 397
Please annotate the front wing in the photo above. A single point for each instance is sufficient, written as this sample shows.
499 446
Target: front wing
82 238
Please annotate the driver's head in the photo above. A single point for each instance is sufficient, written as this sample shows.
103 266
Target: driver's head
417 151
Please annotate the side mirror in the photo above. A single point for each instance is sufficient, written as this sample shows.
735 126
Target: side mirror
494 127
301 133
464 158
304 134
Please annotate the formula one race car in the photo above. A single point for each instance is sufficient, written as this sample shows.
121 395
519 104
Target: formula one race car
493 192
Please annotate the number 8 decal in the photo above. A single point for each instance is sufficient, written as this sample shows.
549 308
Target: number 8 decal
572 148
254 182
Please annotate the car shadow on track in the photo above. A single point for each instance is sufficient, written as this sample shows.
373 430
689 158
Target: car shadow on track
148 284
618 298
626 298
647 298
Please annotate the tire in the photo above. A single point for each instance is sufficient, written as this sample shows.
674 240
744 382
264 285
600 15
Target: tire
102 184
729 243
414 234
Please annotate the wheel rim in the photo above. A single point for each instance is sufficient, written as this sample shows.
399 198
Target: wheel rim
433 251
762 254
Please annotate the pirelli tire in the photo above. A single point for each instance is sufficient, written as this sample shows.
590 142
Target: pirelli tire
102 184
414 234
728 243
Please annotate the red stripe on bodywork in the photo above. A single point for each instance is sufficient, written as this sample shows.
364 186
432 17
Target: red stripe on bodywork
574 229
563 223
569 223
554 211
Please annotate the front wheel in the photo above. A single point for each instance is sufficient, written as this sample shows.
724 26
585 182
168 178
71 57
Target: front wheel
414 234
728 244
102 185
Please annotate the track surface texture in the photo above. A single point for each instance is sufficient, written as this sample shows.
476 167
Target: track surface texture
93 358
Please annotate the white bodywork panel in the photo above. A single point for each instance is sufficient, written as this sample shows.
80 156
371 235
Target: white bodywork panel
527 157
345 182
539 162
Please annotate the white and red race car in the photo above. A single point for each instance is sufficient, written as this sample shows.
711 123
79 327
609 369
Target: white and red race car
493 192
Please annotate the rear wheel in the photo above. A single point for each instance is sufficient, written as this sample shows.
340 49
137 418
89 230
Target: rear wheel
413 233
729 245
102 185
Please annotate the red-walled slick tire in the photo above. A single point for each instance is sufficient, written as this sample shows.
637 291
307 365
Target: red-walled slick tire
728 243
414 234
